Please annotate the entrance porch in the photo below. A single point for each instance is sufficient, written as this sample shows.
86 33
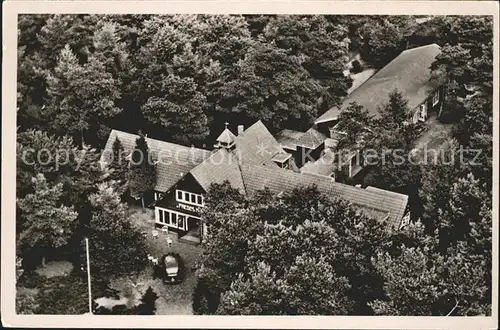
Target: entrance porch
187 226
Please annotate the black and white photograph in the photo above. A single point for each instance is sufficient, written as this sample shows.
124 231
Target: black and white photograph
254 164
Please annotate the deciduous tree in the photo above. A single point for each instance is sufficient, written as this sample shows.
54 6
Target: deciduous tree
116 247
80 96
322 46
45 224
274 87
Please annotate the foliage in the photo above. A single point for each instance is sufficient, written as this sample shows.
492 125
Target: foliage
147 304
19 268
39 152
43 222
466 62
118 167
395 113
322 46
355 123
178 76
61 162
310 251
206 295
145 307
80 96
223 197
386 143
274 87
437 181
356 67
65 295
142 169
26 301
116 247
382 41
424 280
172 98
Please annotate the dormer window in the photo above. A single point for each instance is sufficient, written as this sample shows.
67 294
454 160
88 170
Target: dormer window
282 160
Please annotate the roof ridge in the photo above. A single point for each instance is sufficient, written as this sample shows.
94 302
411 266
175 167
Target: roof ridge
116 131
422 46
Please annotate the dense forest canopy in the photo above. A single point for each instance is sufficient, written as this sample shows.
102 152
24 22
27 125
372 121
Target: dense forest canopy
179 78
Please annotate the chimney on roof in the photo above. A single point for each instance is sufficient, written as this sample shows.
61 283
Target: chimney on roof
241 129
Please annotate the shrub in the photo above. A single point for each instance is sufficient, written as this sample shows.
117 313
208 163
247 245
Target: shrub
148 303
26 302
31 280
206 295
63 295
356 67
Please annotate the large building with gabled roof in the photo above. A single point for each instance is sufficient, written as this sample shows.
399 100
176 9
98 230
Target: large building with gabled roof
250 160
410 73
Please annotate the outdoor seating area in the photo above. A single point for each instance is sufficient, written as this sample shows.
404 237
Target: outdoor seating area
174 299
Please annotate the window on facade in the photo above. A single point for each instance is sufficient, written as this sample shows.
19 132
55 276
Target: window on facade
173 219
160 215
435 98
182 220
190 198
167 217
423 111
415 117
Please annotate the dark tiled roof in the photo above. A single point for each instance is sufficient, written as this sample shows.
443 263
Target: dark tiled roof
250 167
174 160
311 139
257 145
325 165
288 138
281 157
220 166
409 73
398 209
389 207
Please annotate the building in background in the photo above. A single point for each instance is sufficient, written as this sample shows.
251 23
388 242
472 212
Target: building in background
408 73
